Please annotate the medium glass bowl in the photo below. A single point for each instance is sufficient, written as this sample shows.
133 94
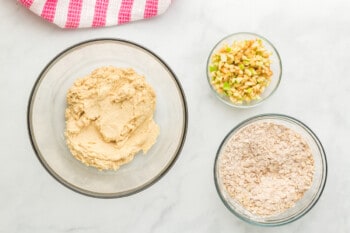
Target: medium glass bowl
276 67
46 118
310 197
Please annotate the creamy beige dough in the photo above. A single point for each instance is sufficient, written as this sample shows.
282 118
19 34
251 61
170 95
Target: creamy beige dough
109 117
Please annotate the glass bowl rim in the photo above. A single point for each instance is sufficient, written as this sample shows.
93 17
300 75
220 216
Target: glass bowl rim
242 106
52 172
321 152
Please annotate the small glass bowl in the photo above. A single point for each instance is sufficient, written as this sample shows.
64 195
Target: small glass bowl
310 197
276 67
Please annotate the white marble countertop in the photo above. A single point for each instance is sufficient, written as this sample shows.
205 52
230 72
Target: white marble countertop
313 39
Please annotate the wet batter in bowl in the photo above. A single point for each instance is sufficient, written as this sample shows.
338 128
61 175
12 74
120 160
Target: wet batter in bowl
109 117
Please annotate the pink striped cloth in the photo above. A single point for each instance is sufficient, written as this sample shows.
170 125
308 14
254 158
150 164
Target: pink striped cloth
95 13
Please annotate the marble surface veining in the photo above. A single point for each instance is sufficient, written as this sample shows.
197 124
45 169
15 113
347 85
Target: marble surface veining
313 38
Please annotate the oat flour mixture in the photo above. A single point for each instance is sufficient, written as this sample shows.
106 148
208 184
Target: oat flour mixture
109 117
266 167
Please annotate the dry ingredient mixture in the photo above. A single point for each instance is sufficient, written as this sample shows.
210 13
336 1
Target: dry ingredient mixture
109 117
266 167
241 71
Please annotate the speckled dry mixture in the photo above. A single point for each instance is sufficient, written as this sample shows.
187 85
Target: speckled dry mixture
266 167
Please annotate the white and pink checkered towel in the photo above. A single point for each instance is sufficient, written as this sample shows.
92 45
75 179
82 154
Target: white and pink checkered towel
95 13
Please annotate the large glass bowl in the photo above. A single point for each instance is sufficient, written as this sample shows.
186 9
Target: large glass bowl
276 67
46 120
310 197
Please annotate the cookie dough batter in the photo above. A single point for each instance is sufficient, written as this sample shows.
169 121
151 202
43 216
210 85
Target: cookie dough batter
109 117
